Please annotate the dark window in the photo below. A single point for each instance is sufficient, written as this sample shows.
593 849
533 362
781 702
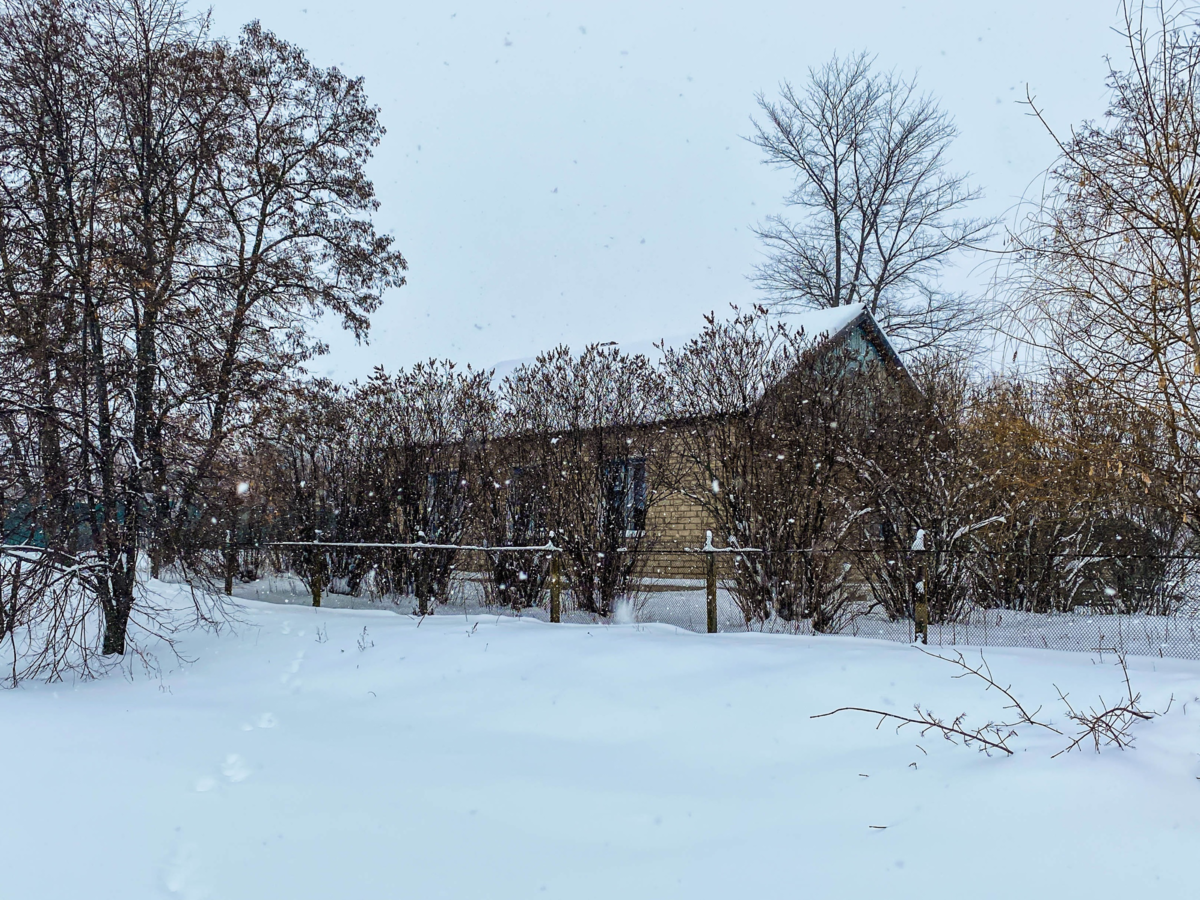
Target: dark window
881 531
526 505
625 483
443 505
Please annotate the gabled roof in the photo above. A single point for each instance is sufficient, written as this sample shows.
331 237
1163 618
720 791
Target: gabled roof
819 325
873 333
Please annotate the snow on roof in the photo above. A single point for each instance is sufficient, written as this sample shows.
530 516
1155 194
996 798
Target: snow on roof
818 324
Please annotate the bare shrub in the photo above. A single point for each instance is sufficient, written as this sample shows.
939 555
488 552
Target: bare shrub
764 420
589 427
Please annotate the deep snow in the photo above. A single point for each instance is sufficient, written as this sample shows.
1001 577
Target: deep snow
352 754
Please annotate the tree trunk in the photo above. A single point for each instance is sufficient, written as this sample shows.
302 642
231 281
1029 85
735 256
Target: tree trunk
116 622
231 557
422 587
8 616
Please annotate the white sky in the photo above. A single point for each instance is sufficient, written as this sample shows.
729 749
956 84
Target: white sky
577 171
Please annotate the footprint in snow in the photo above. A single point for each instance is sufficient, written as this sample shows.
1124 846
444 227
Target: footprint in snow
235 768
179 874
293 668
266 720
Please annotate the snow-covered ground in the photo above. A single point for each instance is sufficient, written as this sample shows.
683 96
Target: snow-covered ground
354 753
682 604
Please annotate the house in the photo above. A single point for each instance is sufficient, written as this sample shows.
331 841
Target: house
852 336
593 459
653 502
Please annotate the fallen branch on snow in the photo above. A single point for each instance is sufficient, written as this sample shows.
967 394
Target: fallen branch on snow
1109 726
989 737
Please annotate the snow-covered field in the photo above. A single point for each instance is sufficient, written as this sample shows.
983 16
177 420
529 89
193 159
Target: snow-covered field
353 754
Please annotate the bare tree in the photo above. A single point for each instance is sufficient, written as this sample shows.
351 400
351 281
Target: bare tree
920 471
442 418
293 201
1106 270
1007 493
880 207
173 210
1088 519
299 471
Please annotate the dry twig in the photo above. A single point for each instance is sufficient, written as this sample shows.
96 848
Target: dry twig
1110 725
990 737
984 673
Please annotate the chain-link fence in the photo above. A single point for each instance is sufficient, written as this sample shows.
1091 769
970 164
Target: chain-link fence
1100 609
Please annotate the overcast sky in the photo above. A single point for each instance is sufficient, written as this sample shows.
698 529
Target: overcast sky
578 172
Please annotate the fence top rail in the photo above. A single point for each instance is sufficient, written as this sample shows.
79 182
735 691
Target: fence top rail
420 545
548 547
551 547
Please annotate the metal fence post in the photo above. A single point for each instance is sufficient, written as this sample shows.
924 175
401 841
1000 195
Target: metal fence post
710 583
555 590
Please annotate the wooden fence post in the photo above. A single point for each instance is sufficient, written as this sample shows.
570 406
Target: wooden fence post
555 590
317 586
318 573
921 605
710 584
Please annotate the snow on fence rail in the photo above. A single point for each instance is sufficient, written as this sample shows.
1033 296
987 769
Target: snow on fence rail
708 605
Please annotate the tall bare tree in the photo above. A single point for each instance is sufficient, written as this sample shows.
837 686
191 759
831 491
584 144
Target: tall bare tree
1107 270
173 210
880 208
